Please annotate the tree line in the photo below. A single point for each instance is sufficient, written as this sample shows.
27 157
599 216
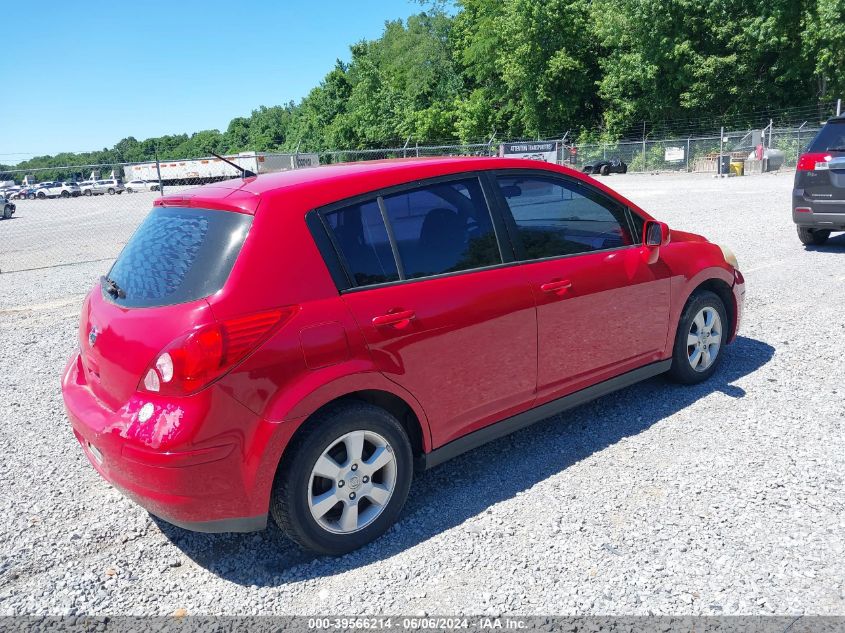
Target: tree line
536 68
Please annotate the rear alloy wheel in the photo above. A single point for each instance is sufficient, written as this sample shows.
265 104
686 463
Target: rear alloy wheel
812 237
701 334
30 196
65 194
42 195
87 192
343 482
111 191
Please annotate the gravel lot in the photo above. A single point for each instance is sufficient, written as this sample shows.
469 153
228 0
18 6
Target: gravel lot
724 498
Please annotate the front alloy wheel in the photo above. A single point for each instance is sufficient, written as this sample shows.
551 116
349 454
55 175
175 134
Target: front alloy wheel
704 339
699 338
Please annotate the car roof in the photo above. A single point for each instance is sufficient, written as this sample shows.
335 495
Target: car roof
325 184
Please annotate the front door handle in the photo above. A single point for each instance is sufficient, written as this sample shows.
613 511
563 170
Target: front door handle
396 319
558 286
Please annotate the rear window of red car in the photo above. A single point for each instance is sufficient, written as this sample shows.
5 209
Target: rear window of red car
178 255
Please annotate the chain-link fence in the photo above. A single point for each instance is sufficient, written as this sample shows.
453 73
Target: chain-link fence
77 213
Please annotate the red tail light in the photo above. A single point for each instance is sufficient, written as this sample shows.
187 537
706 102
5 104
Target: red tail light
198 358
807 162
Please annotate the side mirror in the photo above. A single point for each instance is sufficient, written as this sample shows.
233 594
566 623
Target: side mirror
656 234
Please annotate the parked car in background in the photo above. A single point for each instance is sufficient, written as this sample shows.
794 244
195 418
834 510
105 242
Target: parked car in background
57 190
23 193
10 192
297 344
7 207
141 185
605 167
111 187
818 195
86 187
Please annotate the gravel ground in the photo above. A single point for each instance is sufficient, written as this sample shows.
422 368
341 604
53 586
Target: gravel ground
724 498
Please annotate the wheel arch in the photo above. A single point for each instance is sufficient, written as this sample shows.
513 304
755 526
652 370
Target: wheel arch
390 402
724 291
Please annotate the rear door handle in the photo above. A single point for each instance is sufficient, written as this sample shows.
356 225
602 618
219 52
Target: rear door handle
556 286
397 319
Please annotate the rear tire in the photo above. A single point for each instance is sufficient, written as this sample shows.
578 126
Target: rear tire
87 192
301 501
65 194
7 212
30 196
605 170
111 191
812 237
42 196
702 334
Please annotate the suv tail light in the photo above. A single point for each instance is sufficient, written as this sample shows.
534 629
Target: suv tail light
808 161
201 356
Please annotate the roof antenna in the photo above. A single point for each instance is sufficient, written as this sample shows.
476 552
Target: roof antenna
245 173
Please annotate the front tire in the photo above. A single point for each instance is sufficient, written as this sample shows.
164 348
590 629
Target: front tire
605 170
65 194
812 237
111 191
343 482
7 212
702 333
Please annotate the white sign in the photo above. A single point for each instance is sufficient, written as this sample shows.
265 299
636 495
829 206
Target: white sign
534 150
673 153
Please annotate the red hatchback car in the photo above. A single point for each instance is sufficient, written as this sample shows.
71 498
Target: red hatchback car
297 344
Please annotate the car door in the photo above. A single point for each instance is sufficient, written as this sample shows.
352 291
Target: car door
601 308
445 312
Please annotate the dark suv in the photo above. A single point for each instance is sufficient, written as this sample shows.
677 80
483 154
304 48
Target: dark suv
818 199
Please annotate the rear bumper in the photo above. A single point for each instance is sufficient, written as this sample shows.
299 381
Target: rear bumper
817 214
200 462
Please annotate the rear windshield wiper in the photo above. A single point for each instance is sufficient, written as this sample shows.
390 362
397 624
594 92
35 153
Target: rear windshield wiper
112 288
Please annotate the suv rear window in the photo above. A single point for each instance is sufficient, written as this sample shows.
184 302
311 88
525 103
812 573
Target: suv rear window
831 136
178 255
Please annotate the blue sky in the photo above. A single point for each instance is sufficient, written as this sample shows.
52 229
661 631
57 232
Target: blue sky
89 76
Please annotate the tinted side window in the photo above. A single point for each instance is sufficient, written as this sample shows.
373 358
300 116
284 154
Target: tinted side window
442 227
554 217
360 234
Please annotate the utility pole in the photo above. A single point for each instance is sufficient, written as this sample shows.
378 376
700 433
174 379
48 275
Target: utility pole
158 171
798 148
644 146
721 150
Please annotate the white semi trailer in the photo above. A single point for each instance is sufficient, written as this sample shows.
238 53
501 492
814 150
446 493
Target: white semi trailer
202 170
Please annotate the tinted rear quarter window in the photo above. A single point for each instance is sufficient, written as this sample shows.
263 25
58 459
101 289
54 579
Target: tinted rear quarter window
361 237
179 255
